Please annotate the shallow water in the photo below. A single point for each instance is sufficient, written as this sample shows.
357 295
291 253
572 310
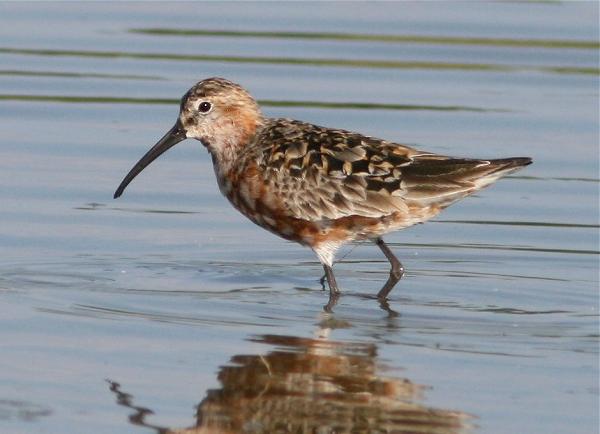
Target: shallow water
166 311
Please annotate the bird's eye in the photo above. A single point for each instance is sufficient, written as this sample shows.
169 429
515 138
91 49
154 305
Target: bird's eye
204 107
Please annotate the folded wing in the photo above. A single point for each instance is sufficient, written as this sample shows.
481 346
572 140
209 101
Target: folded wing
325 174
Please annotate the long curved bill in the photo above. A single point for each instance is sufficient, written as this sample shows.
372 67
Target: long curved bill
174 136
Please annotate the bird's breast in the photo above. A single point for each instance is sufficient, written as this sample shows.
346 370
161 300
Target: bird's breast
249 193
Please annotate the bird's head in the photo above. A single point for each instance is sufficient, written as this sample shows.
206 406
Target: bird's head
216 111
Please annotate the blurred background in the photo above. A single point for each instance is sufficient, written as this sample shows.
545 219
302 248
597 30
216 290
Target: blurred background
167 311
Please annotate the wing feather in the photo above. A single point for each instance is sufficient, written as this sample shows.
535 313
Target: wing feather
326 174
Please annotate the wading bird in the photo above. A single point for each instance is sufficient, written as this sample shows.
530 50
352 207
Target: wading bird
320 187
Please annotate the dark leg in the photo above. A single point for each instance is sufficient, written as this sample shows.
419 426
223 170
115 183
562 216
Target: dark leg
334 291
322 281
396 271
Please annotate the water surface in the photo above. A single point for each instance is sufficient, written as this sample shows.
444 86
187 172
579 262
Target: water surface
166 311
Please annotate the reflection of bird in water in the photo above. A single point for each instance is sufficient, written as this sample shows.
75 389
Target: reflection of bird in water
312 386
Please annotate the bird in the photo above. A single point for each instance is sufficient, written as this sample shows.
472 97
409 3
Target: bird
317 186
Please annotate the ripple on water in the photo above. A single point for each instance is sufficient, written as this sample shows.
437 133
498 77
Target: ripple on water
246 294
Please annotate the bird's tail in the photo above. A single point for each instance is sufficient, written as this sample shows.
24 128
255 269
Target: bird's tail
492 170
441 181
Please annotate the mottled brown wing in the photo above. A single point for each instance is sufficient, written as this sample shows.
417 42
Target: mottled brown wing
321 173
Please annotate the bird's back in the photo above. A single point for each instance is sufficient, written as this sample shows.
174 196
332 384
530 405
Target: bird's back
319 173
